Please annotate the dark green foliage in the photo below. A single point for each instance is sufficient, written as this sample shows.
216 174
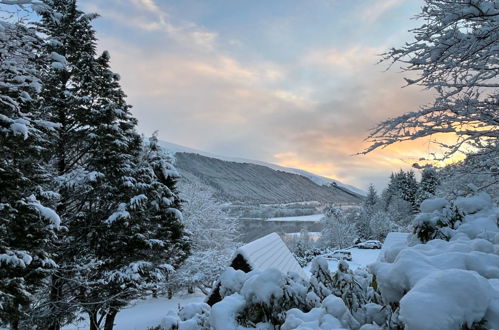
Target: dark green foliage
25 231
117 195
274 311
372 198
402 185
437 225
428 184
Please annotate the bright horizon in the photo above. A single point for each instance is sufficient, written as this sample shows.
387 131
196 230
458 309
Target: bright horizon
290 83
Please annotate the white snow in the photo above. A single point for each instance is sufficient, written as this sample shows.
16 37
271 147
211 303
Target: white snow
450 282
393 243
360 258
270 252
473 204
434 204
45 212
145 313
19 127
449 298
60 61
260 287
223 314
118 214
16 258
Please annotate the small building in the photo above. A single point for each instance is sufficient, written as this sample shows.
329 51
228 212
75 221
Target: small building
263 253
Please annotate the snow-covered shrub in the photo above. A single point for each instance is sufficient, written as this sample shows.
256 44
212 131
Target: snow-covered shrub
271 300
193 316
321 281
338 231
306 256
436 218
454 283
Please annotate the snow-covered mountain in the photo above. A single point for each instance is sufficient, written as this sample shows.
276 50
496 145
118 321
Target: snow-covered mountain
257 181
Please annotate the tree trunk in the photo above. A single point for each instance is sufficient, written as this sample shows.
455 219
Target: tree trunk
92 318
55 299
109 324
14 325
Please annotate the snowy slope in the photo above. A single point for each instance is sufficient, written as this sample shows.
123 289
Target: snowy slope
320 180
252 184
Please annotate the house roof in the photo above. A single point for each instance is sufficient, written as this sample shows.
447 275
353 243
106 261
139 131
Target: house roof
270 252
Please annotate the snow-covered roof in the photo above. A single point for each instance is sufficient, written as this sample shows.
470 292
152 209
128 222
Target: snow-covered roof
270 252
393 239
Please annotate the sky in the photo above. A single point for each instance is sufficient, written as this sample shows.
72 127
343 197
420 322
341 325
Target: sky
291 82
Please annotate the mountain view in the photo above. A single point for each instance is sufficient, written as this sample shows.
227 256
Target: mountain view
315 194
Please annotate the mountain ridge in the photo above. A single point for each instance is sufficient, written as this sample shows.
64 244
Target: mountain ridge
319 180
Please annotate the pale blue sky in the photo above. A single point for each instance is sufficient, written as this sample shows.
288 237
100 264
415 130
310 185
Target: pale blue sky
289 82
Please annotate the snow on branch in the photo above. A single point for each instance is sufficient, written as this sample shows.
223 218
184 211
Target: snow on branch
456 54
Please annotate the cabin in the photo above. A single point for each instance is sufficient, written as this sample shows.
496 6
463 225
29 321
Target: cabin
263 253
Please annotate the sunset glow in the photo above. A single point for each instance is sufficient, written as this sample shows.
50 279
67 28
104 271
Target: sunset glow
284 91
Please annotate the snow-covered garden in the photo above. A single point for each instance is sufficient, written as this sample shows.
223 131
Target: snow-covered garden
98 231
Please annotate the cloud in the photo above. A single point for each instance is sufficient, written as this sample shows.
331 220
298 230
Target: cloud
373 12
221 105
147 16
312 113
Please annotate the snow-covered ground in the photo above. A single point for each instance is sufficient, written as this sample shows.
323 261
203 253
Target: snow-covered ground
360 258
150 312
146 313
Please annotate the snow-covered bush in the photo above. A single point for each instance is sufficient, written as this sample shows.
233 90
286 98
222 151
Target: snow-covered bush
269 299
436 218
454 283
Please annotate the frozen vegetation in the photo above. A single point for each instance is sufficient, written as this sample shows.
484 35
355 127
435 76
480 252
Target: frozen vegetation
96 230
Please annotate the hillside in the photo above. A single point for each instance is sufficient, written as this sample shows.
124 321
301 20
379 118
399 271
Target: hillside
320 180
254 184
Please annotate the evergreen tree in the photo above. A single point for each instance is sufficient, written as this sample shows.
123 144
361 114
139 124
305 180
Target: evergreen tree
117 197
70 47
428 185
389 192
372 198
409 187
27 227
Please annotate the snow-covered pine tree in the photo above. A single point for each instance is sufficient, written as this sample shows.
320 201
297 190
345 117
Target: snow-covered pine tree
27 227
118 197
428 185
70 48
372 198
370 206
136 242
390 191
410 188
